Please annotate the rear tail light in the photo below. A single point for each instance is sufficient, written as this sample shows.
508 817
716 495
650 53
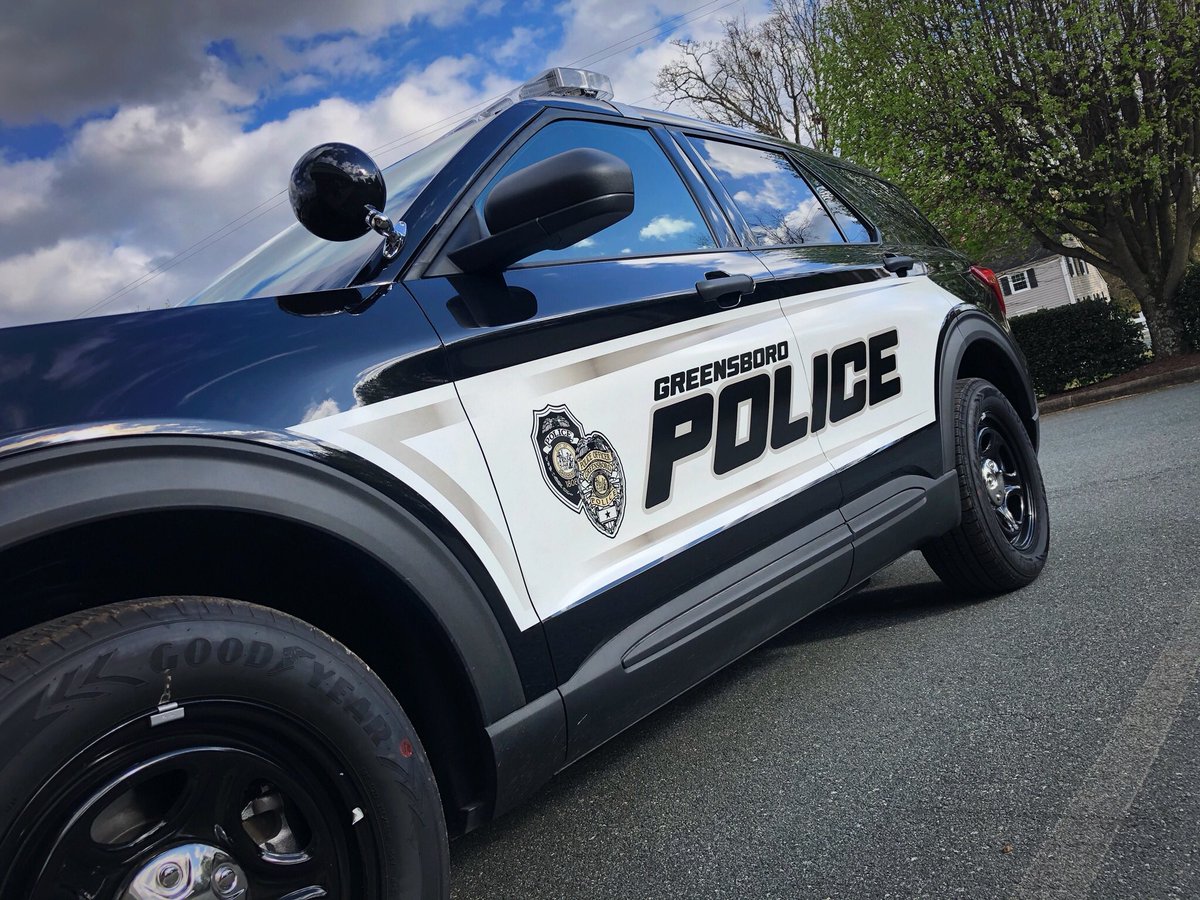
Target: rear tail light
988 277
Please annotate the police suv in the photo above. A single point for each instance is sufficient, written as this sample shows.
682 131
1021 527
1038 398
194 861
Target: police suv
457 478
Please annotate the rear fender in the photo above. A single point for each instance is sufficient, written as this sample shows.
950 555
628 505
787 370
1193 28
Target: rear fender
973 344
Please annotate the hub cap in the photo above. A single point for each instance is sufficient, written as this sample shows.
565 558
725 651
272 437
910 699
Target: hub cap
233 802
1005 481
993 481
191 872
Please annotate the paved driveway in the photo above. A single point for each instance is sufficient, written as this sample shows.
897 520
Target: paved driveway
910 744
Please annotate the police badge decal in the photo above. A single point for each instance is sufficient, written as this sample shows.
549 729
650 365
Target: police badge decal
558 436
581 468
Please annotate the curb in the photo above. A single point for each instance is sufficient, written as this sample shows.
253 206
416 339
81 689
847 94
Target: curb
1101 392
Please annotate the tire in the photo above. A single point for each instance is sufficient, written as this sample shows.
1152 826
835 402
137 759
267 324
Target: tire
259 742
986 555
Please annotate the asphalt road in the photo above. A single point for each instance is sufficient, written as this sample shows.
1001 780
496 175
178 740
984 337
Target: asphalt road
908 743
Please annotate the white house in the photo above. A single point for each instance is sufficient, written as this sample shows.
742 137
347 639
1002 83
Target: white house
1040 279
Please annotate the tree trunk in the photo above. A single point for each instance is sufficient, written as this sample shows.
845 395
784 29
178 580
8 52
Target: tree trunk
1154 294
1165 324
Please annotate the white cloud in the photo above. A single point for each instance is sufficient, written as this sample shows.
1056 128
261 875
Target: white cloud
173 160
663 227
24 188
60 59
46 283
520 45
155 179
591 26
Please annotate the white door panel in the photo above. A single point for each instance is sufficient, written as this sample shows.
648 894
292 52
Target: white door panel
890 326
611 392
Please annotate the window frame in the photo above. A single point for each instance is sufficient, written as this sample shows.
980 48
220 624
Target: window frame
712 215
811 175
684 136
1024 273
880 234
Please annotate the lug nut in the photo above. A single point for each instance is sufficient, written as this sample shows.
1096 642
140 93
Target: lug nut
225 881
170 874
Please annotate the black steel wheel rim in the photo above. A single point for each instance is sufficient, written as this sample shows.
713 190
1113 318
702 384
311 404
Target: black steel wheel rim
1003 473
251 782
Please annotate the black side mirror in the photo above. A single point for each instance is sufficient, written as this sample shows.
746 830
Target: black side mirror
549 205
331 187
337 193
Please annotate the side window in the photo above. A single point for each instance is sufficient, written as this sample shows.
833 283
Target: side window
896 217
855 229
665 218
770 193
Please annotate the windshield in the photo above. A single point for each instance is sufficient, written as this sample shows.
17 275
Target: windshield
296 260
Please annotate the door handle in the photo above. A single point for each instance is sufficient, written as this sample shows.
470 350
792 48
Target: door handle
898 265
727 290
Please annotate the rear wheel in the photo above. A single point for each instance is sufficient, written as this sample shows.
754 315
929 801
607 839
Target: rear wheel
1004 536
192 747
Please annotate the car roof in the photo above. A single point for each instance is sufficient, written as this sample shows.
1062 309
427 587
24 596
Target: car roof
691 123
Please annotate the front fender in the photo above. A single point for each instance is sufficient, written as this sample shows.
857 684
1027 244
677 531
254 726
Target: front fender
54 483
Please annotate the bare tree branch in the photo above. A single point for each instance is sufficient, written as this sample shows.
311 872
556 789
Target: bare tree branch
759 76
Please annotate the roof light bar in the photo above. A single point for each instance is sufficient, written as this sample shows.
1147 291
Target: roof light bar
556 82
561 82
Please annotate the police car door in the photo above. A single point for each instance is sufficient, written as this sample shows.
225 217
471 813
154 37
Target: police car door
635 430
869 338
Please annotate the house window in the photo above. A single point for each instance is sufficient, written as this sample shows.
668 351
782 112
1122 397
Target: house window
1076 266
1015 282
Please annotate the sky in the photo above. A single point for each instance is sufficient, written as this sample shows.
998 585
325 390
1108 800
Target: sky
145 144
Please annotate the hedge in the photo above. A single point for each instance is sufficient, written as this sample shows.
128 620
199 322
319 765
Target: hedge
1188 299
1085 342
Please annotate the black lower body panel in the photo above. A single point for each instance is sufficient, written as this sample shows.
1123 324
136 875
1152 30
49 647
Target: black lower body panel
700 632
668 647
898 517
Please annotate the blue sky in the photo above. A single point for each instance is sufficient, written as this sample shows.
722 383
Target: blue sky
148 127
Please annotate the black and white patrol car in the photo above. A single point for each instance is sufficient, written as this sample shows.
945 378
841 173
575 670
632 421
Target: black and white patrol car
447 485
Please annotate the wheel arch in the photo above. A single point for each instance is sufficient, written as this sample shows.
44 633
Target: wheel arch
90 523
973 345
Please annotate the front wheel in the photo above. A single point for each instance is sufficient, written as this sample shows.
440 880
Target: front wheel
1004 536
194 747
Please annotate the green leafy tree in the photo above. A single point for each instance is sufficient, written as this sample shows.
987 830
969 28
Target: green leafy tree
1063 117
769 76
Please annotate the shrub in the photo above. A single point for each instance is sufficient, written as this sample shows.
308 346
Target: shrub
1188 300
1070 346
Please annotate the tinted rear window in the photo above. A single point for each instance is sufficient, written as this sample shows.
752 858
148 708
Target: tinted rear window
898 220
854 228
